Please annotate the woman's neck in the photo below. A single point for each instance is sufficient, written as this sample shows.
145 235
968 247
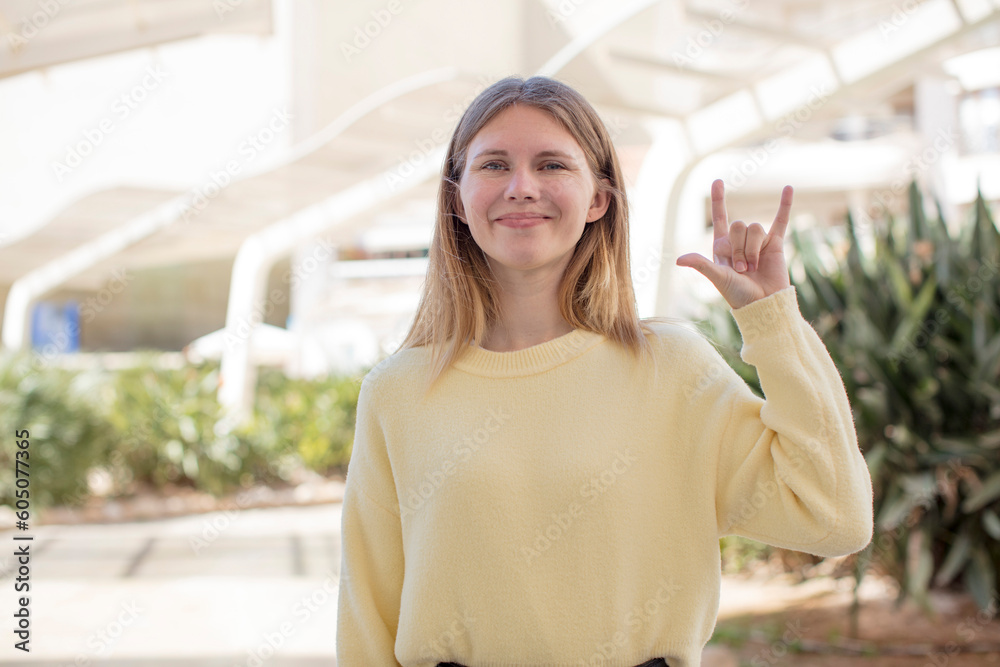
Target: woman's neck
506 339
529 303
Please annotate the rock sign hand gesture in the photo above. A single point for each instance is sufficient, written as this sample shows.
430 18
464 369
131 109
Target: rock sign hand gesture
749 264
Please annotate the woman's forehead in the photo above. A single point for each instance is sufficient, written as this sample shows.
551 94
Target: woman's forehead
547 152
524 130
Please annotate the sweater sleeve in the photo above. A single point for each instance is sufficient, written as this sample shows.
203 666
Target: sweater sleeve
789 469
371 565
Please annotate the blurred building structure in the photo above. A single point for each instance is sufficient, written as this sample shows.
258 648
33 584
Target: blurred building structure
318 217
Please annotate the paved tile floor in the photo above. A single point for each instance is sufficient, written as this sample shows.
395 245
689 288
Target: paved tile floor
222 588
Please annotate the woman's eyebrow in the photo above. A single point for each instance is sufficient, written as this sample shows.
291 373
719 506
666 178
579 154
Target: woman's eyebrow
546 153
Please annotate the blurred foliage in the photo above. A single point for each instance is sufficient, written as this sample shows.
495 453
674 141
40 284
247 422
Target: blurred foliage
910 313
166 421
314 419
65 432
738 553
153 427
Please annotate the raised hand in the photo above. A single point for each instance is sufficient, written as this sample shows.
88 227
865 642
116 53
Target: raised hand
749 264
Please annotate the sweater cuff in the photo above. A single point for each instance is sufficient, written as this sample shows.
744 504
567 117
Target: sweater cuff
768 316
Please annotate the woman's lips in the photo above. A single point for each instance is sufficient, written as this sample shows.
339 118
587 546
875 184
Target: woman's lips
518 223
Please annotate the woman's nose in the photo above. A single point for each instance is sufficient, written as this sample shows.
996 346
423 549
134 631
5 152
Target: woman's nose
523 183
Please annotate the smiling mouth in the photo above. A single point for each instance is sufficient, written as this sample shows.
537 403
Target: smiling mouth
518 223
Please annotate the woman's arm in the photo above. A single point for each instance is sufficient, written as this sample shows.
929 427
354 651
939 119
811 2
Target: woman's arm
371 566
789 469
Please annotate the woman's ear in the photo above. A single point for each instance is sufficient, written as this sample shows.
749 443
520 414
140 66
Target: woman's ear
602 200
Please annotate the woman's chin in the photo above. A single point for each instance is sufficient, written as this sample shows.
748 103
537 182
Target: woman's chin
525 263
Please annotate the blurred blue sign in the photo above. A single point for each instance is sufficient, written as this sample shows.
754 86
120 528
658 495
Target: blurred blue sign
56 327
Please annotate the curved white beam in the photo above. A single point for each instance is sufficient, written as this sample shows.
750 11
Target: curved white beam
29 287
580 43
765 128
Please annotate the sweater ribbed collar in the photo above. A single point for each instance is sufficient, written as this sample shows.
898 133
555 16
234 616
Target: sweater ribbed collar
531 360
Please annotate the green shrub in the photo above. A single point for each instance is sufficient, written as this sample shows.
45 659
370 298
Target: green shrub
914 328
166 422
148 426
66 432
312 419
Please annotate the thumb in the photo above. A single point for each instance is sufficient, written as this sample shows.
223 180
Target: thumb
707 268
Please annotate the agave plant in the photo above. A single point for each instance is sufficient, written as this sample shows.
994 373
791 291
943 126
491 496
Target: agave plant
913 325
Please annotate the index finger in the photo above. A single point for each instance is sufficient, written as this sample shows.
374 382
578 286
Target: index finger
720 220
781 218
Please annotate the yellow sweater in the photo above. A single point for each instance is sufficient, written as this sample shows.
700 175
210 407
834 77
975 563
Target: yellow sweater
562 505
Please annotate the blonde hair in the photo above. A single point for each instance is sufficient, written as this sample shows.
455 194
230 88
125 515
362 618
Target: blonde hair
459 302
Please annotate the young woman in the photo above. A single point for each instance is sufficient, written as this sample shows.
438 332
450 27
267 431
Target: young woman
540 478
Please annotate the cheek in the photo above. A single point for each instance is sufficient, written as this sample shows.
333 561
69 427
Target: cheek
469 208
571 195
471 199
479 209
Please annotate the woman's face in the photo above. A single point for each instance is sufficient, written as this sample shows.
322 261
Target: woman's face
527 191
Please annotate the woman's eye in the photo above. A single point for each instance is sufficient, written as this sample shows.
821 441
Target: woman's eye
490 165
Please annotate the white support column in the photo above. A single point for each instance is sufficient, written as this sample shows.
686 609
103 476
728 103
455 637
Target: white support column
651 230
664 290
247 301
936 119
